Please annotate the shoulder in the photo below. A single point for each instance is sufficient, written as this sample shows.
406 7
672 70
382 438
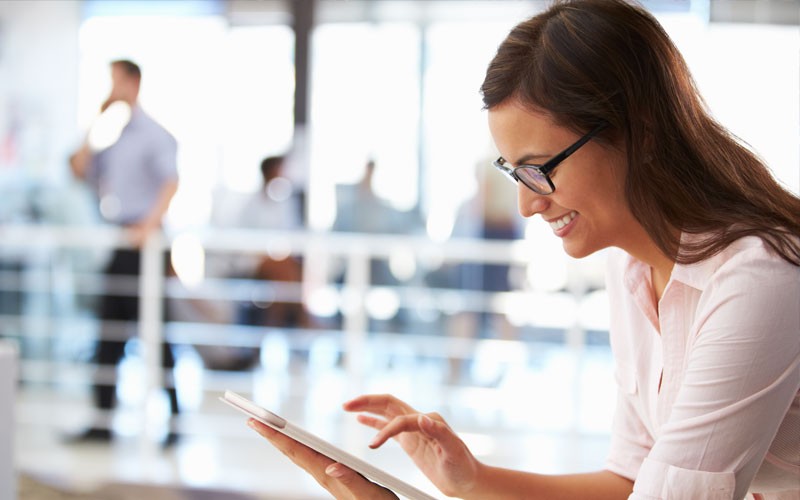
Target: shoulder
154 130
747 262
746 291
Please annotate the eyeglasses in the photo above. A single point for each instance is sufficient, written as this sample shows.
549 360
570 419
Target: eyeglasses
537 177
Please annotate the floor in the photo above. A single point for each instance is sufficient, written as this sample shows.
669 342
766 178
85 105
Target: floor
503 421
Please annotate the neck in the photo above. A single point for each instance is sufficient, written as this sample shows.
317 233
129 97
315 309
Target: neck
644 249
659 276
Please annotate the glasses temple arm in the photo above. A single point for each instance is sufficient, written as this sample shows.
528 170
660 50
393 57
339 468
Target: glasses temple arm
551 164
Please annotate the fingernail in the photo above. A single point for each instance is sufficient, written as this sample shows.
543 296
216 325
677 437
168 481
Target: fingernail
251 423
427 421
334 471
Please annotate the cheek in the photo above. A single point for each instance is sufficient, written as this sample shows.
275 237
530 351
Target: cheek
598 197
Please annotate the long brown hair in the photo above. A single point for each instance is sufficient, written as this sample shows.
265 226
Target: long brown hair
588 62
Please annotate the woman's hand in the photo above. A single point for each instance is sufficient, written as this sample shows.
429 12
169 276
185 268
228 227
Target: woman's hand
433 446
343 483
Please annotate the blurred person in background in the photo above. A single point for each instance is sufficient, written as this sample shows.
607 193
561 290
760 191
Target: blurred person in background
600 126
360 209
274 208
135 179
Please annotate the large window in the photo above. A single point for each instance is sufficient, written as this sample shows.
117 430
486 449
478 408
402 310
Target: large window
365 106
225 92
458 147
403 93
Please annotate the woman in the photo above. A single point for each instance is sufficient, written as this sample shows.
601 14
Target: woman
599 123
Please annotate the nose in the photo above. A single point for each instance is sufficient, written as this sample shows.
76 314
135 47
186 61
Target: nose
530 203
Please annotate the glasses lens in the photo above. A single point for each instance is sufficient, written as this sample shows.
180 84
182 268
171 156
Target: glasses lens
534 179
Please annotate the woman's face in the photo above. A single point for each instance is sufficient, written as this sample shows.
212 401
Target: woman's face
588 210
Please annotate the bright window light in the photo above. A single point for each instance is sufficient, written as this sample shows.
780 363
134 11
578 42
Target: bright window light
365 105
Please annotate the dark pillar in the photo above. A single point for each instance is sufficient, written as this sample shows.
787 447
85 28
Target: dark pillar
303 13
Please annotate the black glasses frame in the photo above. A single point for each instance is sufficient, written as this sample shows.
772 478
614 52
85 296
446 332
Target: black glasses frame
544 170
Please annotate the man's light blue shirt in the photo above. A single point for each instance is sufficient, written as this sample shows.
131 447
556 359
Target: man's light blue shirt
128 175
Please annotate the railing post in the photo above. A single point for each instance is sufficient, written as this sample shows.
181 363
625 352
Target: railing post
151 288
356 320
575 341
9 358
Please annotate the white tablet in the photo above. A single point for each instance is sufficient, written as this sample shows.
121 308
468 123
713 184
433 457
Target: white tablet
334 453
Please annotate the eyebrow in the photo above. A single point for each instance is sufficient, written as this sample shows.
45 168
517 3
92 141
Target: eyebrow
526 159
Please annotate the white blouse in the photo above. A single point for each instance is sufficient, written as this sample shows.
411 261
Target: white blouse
709 378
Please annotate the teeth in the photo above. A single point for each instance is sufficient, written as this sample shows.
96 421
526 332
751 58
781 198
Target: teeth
560 223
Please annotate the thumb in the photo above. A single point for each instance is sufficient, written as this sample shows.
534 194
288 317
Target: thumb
356 485
344 475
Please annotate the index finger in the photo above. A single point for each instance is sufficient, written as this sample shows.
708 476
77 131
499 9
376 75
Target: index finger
385 405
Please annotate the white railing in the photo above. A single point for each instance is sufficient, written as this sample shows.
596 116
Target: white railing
355 250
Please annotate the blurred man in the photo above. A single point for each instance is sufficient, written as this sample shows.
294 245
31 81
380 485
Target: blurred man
134 179
273 207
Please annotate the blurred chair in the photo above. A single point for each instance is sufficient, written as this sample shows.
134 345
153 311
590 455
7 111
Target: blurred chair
8 384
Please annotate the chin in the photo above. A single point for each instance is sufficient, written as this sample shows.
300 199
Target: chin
579 251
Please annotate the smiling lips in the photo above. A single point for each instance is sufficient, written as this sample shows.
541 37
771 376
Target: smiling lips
563 221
